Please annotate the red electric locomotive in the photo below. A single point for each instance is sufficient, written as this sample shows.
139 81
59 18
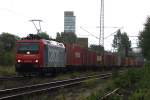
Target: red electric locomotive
39 56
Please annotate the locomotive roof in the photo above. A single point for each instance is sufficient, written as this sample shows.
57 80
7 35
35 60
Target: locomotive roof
20 41
48 42
54 43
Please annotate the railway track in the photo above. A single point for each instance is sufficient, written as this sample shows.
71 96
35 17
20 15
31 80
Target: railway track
38 88
10 77
15 77
20 77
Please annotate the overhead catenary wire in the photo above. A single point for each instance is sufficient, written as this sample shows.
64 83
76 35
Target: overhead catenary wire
89 32
98 37
134 36
112 33
15 13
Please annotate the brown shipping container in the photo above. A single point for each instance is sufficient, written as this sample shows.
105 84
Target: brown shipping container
126 61
115 60
84 57
107 59
74 55
89 60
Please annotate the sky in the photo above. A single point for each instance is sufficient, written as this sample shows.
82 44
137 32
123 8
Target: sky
127 15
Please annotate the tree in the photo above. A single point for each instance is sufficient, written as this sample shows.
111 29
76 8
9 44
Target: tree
66 37
7 48
96 48
117 40
1 47
58 37
1 50
144 39
122 43
126 43
44 35
7 41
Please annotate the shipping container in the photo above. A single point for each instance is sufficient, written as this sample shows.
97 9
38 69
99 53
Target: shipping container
74 54
126 62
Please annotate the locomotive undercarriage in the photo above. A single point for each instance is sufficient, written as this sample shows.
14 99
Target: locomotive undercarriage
28 68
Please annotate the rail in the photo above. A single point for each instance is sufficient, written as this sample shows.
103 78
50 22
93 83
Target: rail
26 90
105 97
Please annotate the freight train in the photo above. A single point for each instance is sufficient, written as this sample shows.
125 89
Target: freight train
46 56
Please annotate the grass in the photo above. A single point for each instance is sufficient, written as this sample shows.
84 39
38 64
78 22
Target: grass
142 91
133 84
73 74
67 75
93 89
91 83
105 87
90 90
7 70
108 86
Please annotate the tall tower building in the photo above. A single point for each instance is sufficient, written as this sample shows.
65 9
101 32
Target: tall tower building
69 22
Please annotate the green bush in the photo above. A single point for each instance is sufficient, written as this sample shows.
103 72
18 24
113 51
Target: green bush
139 79
141 94
128 79
95 96
7 48
7 70
8 58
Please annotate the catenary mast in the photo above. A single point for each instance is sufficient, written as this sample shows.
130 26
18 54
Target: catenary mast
101 35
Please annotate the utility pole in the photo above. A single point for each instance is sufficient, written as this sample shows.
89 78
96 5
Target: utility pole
37 27
101 35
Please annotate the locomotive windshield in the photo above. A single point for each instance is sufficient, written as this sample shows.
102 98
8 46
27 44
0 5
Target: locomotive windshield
25 48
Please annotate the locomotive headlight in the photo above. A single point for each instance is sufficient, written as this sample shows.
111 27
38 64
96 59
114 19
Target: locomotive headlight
36 61
19 61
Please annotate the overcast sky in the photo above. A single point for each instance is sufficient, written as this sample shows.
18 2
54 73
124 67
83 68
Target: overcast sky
128 14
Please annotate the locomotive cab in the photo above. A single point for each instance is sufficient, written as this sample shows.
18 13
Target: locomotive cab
27 56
